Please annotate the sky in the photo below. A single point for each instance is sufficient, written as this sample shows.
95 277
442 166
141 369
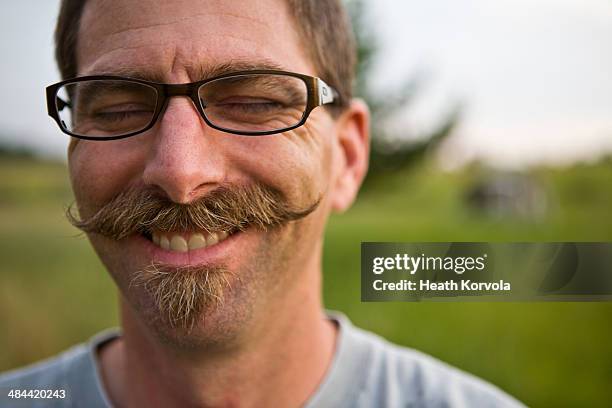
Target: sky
533 77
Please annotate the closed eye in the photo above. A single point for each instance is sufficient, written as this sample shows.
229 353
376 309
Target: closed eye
121 115
251 107
121 112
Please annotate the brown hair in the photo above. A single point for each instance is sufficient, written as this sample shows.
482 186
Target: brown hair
324 27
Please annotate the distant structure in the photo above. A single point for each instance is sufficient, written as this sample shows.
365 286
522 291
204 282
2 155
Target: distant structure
504 195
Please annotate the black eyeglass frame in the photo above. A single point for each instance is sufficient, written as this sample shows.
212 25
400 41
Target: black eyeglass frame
318 94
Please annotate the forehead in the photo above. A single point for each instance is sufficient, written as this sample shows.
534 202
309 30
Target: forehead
181 40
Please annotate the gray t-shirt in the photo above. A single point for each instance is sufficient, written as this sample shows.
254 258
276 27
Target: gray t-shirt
367 371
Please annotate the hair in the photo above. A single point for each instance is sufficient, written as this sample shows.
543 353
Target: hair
323 25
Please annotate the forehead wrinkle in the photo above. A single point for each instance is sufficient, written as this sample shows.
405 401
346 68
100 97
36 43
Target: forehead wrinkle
197 71
182 20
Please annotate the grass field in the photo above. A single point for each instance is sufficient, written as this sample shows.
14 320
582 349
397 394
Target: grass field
55 293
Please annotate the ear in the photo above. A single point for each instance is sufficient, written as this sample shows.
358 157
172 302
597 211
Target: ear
352 152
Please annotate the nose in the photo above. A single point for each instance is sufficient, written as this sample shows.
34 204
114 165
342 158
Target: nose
185 160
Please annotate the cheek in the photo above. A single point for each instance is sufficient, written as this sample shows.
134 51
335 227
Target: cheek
298 163
101 170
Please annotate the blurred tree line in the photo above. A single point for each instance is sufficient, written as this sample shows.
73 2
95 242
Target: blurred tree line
391 151
10 150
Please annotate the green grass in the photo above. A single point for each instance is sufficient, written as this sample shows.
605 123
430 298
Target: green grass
54 292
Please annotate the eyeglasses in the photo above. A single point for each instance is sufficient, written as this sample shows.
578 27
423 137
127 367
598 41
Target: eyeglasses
250 103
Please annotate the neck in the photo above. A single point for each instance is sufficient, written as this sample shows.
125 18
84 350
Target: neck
279 363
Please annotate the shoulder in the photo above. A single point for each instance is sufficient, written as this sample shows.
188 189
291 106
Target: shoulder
54 374
73 373
400 376
50 372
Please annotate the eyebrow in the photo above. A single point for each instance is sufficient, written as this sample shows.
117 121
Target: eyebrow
197 72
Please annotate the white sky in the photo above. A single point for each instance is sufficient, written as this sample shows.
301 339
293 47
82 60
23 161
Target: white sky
534 76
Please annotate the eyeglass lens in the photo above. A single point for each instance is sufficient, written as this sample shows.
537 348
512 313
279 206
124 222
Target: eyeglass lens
106 108
254 103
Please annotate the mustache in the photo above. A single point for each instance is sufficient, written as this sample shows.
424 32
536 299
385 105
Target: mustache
227 208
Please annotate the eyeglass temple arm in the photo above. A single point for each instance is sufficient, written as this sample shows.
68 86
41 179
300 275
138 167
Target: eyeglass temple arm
327 94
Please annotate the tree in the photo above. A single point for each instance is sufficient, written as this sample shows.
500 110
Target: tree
391 152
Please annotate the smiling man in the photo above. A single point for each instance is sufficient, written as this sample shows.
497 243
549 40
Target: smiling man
210 141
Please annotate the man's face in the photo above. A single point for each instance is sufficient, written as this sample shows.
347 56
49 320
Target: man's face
183 159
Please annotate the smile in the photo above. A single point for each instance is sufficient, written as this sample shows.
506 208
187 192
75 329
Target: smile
187 241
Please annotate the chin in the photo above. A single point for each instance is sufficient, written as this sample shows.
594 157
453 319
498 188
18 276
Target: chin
219 326
232 268
248 268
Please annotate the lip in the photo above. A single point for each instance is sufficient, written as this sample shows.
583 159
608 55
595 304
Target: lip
206 255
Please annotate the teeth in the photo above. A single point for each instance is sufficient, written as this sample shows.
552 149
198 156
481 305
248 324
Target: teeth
178 243
197 241
164 243
211 239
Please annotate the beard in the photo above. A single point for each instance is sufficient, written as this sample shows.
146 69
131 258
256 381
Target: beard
176 297
182 294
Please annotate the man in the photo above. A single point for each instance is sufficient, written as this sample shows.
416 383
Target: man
211 140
